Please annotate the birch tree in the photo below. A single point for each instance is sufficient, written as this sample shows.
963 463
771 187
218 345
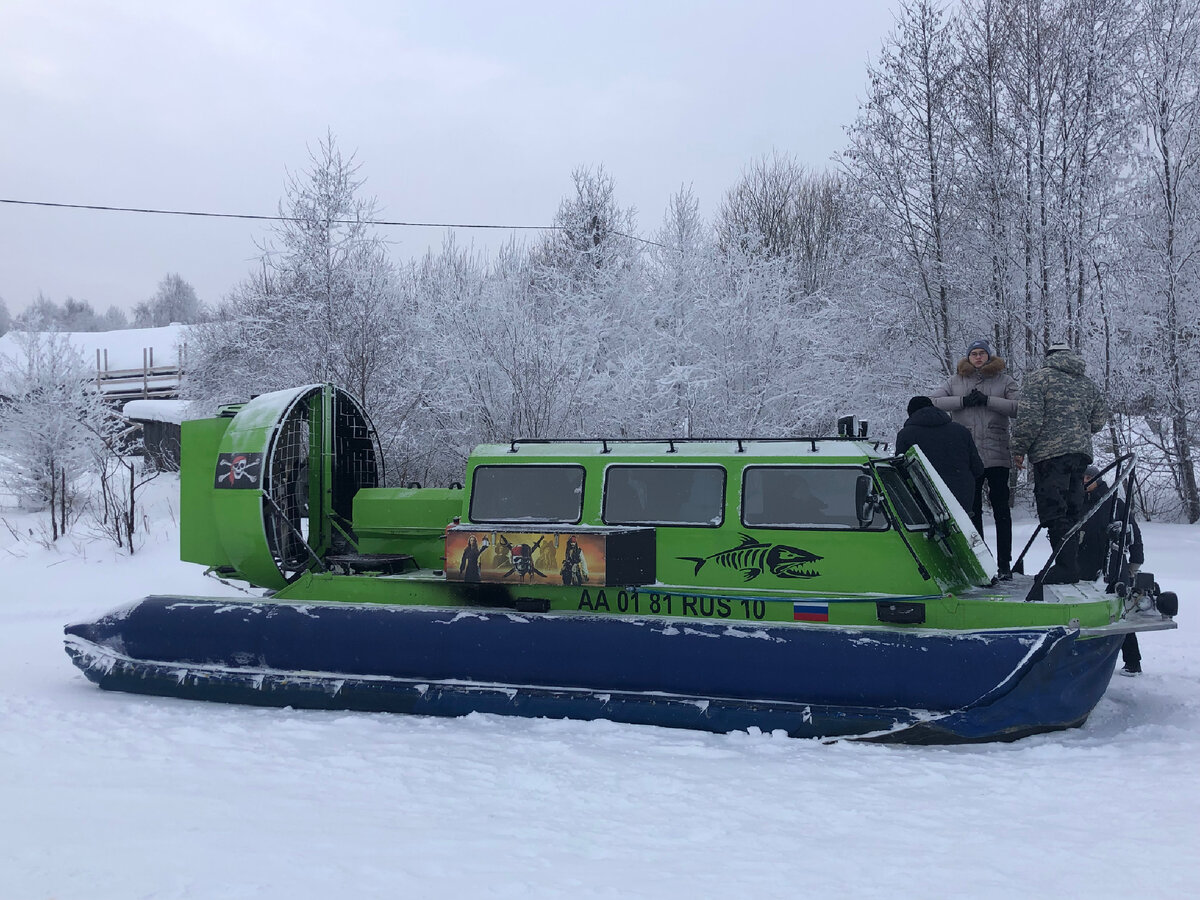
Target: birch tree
1168 73
681 274
322 305
903 158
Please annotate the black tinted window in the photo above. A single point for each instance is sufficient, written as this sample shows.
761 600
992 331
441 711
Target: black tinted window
802 497
664 495
527 494
910 511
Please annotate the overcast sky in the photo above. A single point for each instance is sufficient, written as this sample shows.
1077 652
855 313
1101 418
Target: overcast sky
461 112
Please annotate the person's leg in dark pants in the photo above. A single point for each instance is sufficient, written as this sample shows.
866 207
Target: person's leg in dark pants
1059 495
977 505
997 481
1131 655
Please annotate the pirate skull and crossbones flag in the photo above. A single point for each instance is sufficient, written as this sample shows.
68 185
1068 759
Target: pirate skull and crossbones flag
239 470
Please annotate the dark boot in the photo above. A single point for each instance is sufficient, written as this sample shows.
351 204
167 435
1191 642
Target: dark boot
1004 542
1131 655
1003 552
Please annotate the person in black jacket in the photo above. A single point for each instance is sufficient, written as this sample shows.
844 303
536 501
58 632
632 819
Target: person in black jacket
949 446
1097 552
1101 531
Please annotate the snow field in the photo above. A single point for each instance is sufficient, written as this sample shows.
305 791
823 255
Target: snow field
118 796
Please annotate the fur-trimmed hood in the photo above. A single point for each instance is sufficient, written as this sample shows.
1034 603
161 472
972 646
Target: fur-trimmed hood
993 366
988 423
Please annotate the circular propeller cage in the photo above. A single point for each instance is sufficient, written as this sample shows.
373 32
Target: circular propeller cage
304 517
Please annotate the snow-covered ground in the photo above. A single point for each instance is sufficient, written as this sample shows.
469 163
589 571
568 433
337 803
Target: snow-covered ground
107 795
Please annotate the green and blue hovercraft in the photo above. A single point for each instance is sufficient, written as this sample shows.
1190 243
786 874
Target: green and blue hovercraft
819 586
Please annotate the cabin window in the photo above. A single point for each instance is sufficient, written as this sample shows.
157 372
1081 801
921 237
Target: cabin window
802 497
542 494
664 495
911 513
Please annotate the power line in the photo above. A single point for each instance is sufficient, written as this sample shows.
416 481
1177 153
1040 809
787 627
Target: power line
216 215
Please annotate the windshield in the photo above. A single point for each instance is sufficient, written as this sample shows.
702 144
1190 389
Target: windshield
910 510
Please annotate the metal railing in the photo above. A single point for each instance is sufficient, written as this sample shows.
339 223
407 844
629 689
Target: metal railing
148 382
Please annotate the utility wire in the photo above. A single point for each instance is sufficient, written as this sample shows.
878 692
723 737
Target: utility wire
214 215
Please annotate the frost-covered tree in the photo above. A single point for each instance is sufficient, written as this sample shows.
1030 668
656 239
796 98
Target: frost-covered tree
41 313
174 301
78 315
1043 98
780 209
45 314
764 212
1168 77
681 278
5 318
512 361
324 304
114 319
587 297
48 421
903 161
752 350
991 177
119 464
593 235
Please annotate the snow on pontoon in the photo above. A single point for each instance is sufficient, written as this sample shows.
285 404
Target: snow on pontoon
819 586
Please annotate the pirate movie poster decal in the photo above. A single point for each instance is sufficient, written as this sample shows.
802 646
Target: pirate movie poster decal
521 557
239 470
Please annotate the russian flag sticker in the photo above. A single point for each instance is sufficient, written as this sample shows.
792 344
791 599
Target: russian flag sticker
807 611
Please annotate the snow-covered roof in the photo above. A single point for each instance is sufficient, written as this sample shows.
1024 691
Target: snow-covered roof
156 410
123 349
131 361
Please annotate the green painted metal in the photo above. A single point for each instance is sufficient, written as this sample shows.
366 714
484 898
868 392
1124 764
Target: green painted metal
224 527
320 477
411 521
425 588
853 561
199 527
933 566
243 512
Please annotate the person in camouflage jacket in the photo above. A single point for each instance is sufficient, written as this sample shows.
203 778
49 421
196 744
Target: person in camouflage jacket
1061 408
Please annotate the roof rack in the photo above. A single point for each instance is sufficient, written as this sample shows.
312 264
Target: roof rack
671 442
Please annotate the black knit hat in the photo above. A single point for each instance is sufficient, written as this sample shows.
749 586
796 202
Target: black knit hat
918 403
981 345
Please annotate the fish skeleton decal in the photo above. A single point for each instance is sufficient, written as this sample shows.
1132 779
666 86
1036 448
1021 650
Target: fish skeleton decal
752 557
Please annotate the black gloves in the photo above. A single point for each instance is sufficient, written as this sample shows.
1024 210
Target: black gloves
975 398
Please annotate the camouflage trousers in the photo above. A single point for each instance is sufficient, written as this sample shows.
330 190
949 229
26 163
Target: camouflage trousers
1058 489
